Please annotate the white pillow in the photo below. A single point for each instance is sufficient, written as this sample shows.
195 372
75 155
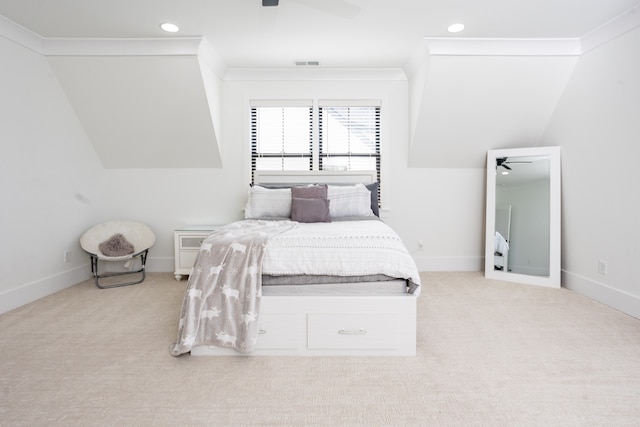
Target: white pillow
349 200
268 203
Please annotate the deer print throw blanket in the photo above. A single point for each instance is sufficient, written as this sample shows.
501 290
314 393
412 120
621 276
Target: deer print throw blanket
222 300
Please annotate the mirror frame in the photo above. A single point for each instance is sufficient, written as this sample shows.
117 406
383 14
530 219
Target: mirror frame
553 280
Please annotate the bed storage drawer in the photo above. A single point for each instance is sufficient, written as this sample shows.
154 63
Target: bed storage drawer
351 331
278 331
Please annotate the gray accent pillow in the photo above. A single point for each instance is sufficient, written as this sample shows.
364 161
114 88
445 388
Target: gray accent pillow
309 192
310 210
373 187
116 245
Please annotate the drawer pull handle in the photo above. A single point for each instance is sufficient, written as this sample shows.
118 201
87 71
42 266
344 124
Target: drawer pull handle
352 331
262 331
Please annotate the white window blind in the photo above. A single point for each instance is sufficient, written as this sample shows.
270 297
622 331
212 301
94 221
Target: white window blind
349 137
281 137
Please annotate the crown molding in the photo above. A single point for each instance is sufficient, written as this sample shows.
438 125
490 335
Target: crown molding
98 46
21 35
619 25
174 46
444 46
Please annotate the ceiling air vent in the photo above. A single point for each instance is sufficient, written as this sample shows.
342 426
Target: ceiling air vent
307 63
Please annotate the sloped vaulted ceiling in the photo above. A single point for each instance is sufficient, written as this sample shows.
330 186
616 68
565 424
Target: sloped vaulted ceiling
471 104
144 110
471 95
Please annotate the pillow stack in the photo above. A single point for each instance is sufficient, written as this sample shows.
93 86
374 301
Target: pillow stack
313 203
310 204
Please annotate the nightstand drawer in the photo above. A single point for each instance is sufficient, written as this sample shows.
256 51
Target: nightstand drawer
187 259
191 242
187 242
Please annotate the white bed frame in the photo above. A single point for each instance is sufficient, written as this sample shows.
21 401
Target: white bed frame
324 325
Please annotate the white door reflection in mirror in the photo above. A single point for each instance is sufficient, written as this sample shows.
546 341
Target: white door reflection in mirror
523 215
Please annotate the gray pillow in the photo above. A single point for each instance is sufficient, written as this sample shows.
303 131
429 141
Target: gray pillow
310 210
116 245
373 187
309 192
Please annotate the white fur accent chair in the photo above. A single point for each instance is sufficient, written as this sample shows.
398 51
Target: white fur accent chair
138 239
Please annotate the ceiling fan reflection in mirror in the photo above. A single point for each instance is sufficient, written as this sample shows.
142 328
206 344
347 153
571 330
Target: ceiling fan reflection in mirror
504 162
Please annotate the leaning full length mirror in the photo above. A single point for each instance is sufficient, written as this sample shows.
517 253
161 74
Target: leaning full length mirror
523 215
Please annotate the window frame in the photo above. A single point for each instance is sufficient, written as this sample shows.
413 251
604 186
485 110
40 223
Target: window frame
315 163
254 137
348 104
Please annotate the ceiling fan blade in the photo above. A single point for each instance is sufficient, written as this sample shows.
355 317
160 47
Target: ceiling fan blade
270 2
505 166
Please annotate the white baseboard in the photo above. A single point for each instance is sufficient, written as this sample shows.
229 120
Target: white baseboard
161 265
29 292
622 301
427 263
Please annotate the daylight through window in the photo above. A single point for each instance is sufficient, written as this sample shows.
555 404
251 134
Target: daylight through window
347 136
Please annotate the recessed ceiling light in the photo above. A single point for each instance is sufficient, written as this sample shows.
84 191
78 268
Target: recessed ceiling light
169 27
455 28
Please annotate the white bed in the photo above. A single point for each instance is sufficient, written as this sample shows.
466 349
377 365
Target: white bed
355 319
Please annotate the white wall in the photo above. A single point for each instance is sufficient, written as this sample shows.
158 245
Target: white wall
55 187
597 125
442 208
58 187
50 181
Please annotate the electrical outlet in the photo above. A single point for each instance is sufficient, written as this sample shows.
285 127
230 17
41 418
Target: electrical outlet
67 256
602 267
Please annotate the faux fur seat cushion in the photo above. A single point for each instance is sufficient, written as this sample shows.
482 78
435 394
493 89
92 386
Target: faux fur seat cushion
137 234
116 245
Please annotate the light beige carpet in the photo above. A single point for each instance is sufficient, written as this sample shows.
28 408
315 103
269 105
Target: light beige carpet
489 353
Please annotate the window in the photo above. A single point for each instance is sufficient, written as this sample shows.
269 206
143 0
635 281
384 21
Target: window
281 137
347 136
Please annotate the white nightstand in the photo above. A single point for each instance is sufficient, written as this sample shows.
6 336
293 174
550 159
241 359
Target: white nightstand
186 244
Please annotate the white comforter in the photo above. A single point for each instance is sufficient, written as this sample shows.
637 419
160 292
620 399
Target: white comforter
341 248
